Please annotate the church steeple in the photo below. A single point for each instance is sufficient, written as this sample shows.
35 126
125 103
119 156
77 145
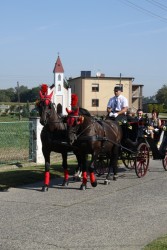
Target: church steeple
58 68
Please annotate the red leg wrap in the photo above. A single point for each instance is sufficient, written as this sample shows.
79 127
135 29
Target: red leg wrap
84 175
47 178
66 175
92 177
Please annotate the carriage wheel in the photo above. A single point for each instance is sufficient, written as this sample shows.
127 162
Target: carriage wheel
101 167
164 162
142 160
128 160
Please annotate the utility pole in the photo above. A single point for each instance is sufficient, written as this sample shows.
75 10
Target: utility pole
18 96
120 82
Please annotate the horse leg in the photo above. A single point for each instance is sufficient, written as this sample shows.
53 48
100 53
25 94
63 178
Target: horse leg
84 173
93 180
65 166
47 173
108 176
78 170
113 164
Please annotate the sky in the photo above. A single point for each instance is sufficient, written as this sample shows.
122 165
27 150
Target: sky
127 37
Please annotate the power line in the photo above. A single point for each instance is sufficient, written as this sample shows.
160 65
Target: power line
143 10
156 3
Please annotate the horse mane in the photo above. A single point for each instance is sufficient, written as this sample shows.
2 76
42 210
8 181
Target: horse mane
83 111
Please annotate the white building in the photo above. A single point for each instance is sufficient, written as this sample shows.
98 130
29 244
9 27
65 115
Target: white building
62 93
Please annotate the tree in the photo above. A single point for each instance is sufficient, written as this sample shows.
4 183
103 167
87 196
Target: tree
161 95
4 97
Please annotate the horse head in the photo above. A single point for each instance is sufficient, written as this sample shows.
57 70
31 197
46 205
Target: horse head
73 126
45 107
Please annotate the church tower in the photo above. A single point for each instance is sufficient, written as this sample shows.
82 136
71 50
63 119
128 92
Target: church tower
62 96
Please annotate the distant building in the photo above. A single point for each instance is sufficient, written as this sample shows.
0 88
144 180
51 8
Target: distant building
93 91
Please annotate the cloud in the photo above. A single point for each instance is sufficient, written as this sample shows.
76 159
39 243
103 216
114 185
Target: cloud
46 27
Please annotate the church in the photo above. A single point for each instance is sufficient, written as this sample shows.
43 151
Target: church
62 92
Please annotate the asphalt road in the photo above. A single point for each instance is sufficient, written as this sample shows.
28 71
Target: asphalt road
125 215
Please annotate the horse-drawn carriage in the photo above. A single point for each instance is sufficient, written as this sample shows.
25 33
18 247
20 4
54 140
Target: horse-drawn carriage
105 140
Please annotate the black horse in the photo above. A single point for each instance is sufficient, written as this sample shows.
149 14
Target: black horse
89 136
54 138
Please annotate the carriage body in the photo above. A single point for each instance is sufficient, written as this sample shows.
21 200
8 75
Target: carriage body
134 150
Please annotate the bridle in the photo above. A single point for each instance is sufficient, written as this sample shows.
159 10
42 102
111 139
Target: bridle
80 136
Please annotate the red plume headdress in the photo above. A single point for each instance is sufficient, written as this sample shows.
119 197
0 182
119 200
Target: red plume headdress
74 100
43 93
44 88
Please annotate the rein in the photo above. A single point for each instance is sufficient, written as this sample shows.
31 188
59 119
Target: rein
98 138
85 130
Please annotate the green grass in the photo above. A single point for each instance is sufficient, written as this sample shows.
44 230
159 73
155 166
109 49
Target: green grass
158 244
27 175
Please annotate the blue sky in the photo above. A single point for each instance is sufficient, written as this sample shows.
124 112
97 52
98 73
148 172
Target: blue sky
110 36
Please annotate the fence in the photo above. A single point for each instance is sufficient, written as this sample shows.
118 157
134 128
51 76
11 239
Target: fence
16 142
20 142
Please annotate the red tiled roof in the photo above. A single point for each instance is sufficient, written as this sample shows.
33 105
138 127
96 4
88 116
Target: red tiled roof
58 66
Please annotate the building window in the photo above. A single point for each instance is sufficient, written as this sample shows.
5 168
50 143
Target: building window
95 102
59 87
59 77
95 87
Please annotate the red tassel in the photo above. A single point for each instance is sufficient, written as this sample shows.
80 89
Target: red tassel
47 178
66 175
84 175
92 177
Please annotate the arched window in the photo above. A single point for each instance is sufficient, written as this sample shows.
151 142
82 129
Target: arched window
59 77
59 87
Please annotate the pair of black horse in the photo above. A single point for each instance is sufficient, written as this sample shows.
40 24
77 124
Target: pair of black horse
84 136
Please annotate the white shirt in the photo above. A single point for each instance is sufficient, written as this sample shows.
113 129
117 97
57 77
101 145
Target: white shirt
121 103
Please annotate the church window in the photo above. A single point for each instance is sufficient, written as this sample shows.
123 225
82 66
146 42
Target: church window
59 77
59 87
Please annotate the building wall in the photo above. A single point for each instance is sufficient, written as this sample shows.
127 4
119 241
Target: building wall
83 88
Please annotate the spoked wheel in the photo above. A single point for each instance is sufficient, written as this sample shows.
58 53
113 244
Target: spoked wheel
142 160
164 162
101 167
128 160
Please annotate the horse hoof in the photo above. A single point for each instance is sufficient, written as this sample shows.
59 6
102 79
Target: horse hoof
115 177
94 184
65 183
106 182
83 186
44 188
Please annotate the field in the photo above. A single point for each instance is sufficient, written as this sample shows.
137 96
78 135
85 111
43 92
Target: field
15 141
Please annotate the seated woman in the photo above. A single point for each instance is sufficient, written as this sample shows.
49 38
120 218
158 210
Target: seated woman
154 125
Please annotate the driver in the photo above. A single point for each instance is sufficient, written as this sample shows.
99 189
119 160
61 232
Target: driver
117 105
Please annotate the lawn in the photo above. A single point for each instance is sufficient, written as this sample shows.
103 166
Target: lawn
158 244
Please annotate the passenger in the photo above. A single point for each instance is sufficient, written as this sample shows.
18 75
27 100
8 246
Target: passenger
141 122
130 115
117 105
139 115
154 125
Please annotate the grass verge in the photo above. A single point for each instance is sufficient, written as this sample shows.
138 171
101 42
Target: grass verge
31 174
158 244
